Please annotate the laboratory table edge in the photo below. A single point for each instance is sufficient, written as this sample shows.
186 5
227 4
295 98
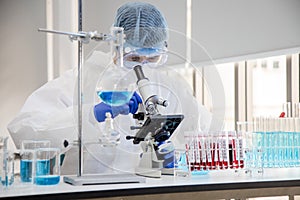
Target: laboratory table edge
214 185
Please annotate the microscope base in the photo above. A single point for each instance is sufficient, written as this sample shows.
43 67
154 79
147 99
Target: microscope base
147 172
98 179
167 171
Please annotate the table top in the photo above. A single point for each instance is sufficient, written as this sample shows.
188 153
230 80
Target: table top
214 180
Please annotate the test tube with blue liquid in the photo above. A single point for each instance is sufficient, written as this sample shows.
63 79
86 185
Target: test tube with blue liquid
297 141
276 141
273 138
27 153
6 163
259 147
285 142
290 142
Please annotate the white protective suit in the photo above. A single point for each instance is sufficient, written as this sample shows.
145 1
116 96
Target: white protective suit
49 113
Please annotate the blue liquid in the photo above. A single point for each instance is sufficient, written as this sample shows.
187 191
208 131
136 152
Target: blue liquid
26 170
199 172
115 98
43 175
279 149
297 146
47 180
6 181
42 167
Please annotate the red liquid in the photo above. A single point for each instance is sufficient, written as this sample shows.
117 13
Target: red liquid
235 162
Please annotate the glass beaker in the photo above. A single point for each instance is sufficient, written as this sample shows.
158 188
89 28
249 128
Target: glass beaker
181 164
27 157
47 166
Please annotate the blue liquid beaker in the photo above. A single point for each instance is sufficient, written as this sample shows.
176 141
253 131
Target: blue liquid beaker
26 170
47 166
27 151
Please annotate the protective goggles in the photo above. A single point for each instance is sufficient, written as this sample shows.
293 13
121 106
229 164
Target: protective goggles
152 57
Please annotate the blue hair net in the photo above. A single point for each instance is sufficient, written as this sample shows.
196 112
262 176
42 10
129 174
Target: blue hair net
144 25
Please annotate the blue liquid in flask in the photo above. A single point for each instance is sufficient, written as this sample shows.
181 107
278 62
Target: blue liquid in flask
26 170
115 98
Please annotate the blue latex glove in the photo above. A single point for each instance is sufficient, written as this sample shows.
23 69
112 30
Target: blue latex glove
166 152
134 103
131 107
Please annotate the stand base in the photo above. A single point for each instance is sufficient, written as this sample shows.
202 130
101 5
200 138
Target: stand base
98 179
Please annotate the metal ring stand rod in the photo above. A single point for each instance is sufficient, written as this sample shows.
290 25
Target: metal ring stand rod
80 94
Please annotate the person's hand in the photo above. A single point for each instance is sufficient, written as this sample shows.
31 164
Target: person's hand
134 103
131 107
165 152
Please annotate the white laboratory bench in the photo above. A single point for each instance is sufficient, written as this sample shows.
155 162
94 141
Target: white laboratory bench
214 185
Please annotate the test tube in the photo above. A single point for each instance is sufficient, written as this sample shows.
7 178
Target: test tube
262 139
270 141
7 167
208 151
297 141
203 152
284 143
220 150
214 157
216 152
234 146
225 149
276 141
296 110
287 109
244 136
197 147
290 141
189 149
257 141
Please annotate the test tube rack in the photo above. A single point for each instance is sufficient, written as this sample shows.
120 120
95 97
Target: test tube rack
262 143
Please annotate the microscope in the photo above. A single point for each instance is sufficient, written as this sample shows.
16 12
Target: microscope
154 130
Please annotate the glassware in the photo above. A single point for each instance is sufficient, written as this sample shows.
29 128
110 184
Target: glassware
28 148
181 164
116 86
6 163
47 166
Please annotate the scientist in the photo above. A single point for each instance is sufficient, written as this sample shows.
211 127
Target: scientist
51 112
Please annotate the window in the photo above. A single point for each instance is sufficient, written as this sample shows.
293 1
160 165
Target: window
268 86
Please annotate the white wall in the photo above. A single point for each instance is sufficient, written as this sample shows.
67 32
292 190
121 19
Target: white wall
22 54
243 27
